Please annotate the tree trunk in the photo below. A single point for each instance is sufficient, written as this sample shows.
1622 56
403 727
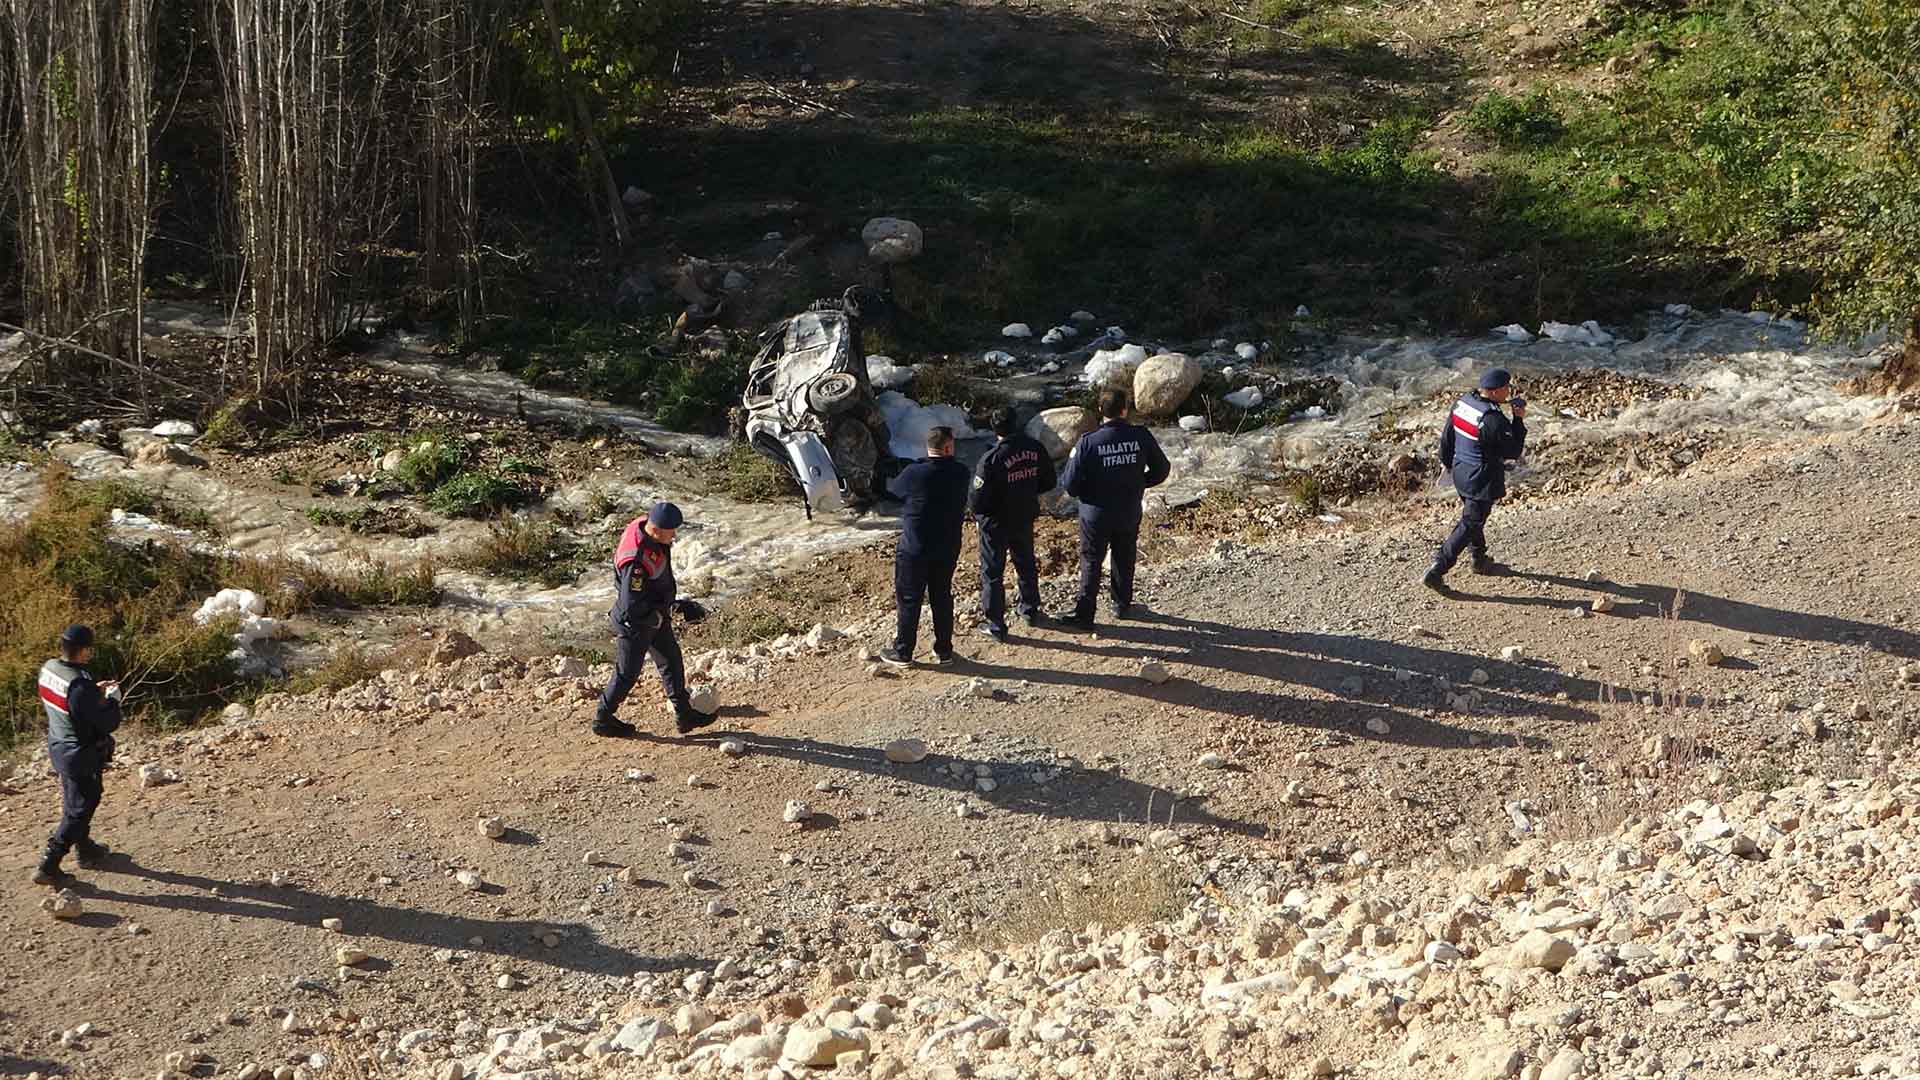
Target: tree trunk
597 172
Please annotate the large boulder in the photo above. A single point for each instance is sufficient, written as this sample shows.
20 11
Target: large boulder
1060 429
819 1046
1161 383
892 240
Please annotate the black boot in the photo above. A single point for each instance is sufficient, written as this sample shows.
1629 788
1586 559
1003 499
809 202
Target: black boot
687 719
1435 579
614 729
49 872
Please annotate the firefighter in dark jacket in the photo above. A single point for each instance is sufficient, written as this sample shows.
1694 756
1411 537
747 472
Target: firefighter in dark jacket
1476 443
1005 501
644 603
81 718
1110 471
934 491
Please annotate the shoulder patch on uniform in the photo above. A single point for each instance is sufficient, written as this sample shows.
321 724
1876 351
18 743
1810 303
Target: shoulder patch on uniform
979 481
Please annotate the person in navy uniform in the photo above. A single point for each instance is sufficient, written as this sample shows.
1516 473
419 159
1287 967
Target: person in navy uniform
1005 501
1476 443
1109 471
82 716
934 490
644 601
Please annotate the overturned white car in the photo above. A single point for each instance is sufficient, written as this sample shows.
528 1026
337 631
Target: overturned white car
810 407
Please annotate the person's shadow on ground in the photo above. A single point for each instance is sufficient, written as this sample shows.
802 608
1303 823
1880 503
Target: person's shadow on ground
519 939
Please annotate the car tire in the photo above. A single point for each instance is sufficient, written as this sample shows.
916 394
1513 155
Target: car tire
833 393
856 455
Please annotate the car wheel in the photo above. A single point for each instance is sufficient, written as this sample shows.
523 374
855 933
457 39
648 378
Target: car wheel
855 454
833 393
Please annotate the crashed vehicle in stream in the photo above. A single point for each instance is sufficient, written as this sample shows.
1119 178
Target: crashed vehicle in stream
810 407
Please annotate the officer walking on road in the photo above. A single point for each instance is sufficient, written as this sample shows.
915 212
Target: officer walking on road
1005 501
645 600
1476 443
81 718
934 490
1109 471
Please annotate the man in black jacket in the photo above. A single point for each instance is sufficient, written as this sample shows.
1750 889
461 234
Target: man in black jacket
644 601
82 716
934 490
1476 443
1005 501
1110 471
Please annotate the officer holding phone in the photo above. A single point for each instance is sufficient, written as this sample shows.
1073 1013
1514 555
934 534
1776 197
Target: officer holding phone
1476 443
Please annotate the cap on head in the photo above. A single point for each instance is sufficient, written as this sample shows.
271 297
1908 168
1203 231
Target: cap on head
1495 378
665 515
76 637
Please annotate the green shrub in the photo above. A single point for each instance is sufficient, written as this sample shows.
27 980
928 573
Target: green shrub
745 474
476 494
524 549
430 464
1516 123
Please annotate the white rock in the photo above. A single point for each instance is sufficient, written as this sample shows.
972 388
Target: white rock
175 429
492 828
152 776
1247 397
1247 350
1566 1065
906 751
1512 653
1378 726
470 880
1212 760
796 812
1155 672
733 748
1193 424
1604 603
639 1036
236 713
1016 330
1539 949
334 925
1113 369
348 956
820 1046
982 688
704 698
892 240
64 904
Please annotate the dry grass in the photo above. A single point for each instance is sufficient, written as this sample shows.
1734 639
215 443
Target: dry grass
1138 890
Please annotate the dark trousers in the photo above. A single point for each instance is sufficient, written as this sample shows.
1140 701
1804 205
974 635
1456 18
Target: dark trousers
924 577
1098 538
81 786
1001 541
1469 534
633 647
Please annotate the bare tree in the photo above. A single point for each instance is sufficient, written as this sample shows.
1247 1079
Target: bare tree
82 77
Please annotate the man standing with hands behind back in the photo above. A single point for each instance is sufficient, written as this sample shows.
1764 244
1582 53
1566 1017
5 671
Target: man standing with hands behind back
1476 443
1006 500
934 490
1110 471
